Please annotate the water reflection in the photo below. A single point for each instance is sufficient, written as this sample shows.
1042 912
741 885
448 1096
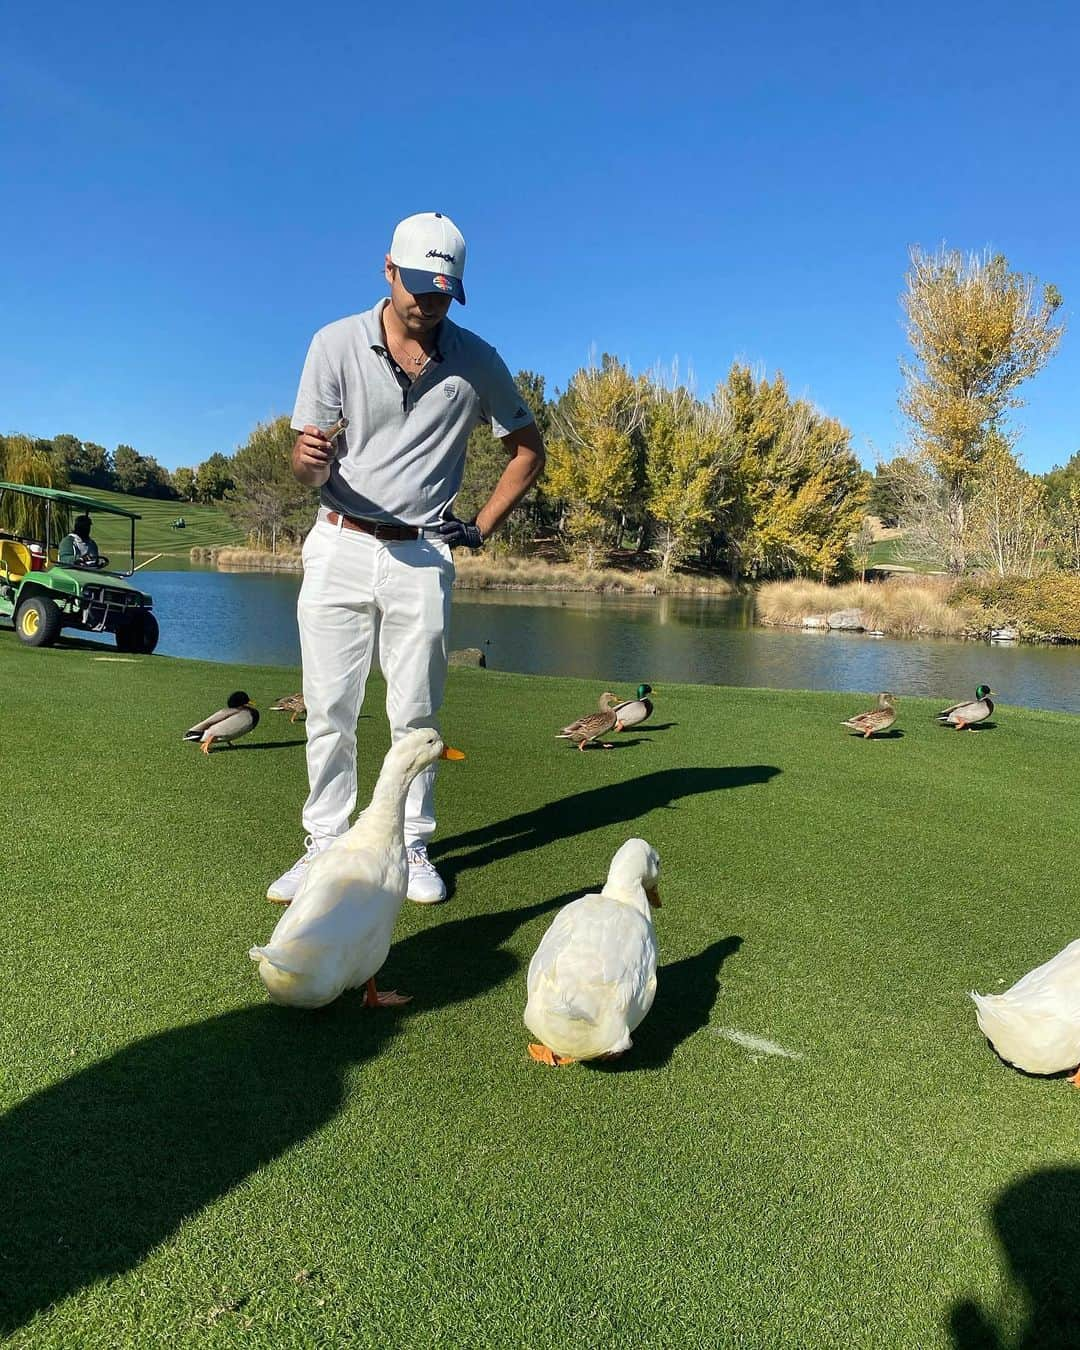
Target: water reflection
251 617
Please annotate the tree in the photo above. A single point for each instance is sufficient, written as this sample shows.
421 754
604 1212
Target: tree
184 483
861 546
884 498
66 450
129 469
594 455
23 461
1061 479
265 499
686 454
799 491
485 460
1065 520
213 478
1010 525
977 332
93 465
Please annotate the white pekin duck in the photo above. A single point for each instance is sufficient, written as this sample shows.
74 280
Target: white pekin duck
336 933
1035 1025
593 977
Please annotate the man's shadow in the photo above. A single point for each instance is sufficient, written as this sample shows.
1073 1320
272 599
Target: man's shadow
98 1169
685 993
1037 1224
613 804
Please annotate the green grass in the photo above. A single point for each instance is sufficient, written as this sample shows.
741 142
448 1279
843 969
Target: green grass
183 1164
207 526
890 552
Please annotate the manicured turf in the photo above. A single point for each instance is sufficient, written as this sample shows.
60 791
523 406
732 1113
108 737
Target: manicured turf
207 526
181 1163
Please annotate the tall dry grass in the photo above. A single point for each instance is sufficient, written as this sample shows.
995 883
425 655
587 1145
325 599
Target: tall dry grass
905 605
477 572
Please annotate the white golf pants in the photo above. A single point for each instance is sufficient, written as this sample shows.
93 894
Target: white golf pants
357 592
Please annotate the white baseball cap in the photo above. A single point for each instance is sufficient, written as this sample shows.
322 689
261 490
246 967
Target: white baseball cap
429 251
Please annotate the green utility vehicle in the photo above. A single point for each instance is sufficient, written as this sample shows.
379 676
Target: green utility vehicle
41 596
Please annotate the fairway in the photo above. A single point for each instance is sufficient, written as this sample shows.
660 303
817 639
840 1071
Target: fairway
206 526
810 1145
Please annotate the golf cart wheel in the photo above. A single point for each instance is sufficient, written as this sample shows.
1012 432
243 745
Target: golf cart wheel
139 634
38 621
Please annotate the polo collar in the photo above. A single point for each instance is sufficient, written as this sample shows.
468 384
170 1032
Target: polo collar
371 322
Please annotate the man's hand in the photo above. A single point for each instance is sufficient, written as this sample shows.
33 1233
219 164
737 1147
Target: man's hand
457 532
312 456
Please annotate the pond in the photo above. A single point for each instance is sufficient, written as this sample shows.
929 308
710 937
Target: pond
251 618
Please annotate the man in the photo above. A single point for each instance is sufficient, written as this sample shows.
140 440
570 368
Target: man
78 548
377 563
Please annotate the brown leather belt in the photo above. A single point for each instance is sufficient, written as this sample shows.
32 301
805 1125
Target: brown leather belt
379 528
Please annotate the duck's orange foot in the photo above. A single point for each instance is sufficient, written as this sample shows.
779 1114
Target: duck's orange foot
543 1055
387 998
206 745
1074 1079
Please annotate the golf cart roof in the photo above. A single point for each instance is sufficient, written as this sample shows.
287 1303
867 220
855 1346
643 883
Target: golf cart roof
72 498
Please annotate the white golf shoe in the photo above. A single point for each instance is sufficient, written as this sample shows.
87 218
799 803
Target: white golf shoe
426 887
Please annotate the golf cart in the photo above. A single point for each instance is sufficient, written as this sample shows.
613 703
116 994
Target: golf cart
41 596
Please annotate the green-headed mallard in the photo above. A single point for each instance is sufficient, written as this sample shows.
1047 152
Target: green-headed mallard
337 932
293 704
962 715
236 719
593 977
1036 1024
634 710
877 719
593 725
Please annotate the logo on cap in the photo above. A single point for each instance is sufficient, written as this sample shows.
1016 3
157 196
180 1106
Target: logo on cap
442 282
434 253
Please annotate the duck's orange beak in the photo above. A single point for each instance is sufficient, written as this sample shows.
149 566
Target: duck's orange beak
448 752
652 894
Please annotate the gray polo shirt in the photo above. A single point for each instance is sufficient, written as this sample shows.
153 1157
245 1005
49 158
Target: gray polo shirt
403 452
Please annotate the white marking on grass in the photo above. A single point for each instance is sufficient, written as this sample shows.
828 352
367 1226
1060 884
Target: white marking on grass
757 1045
115 658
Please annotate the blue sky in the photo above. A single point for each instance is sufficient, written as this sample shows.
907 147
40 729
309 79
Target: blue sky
190 193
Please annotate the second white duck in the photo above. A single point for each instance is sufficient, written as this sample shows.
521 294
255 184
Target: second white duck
593 977
336 934
1035 1025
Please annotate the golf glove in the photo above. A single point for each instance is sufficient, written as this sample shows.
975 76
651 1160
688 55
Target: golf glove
457 532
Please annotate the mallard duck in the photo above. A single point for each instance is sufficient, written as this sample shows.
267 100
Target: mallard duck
962 715
593 725
236 719
877 719
593 977
1036 1024
634 710
336 933
293 704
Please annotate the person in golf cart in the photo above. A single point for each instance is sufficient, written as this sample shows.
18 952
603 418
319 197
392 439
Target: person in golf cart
78 548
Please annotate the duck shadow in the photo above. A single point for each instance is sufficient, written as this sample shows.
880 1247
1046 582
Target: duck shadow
100 1168
895 735
593 809
623 743
661 726
979 726
1035 1224
268 745
685 993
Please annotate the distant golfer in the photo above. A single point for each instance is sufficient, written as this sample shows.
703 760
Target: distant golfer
377 563
78 548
